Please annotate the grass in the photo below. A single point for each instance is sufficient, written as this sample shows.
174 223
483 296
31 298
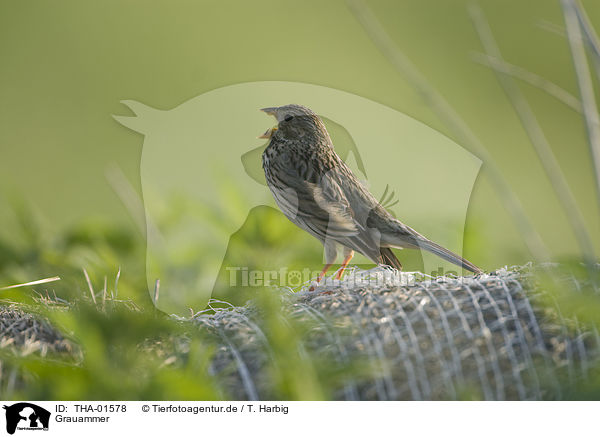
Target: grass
121 347
347 343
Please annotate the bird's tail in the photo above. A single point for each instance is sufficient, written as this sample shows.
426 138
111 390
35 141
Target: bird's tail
444 253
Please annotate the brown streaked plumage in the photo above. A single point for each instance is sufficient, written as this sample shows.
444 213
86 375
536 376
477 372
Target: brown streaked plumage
318 192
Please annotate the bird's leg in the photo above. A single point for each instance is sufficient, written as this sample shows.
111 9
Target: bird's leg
321 275
344 265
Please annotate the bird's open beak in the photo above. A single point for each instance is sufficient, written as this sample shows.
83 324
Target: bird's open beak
268 134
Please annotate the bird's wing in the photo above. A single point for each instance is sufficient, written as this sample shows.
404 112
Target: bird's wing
323 209
320 209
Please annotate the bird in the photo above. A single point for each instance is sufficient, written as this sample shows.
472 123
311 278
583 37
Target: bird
318 192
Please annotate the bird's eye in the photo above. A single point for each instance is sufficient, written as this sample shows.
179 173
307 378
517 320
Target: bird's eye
288 117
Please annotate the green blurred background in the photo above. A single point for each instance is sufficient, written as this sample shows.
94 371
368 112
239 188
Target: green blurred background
67 64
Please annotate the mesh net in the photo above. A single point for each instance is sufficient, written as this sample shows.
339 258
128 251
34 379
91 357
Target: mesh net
423 338
390 335
30 334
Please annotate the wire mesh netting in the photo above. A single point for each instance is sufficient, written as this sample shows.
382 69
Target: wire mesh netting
385 335
30 334
437 338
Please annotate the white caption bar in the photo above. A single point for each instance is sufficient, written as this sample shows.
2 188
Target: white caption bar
299 418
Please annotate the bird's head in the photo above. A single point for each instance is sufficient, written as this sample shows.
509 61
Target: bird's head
295 122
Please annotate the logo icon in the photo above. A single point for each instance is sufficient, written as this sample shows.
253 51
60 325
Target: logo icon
26 416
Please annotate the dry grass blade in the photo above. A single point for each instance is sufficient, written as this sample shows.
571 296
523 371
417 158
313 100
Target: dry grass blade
551 27
156 291
117 283
104 293
537 138
27 284
584 82
453 120
533 79
590 33
89 283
